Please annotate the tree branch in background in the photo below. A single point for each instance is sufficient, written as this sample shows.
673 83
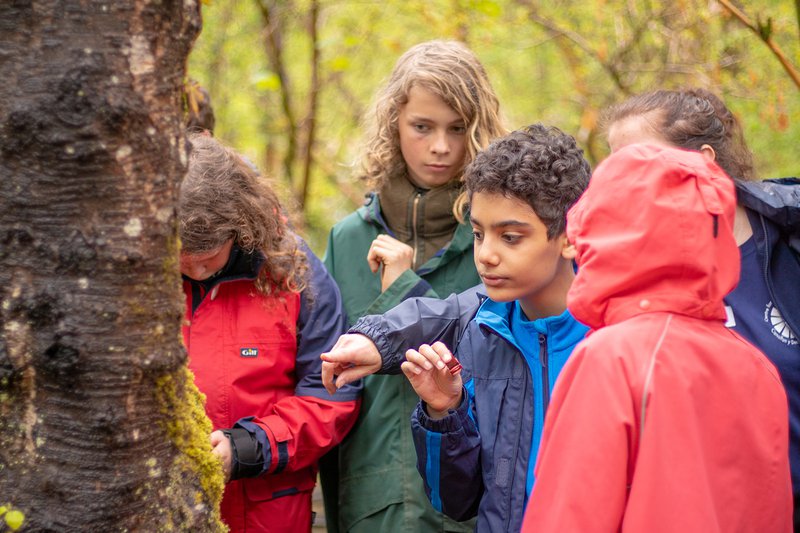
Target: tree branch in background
274 48
313 98
214 82
354 193
764 32
579 41
797 12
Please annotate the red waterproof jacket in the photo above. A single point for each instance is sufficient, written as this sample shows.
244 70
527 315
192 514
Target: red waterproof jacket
663 419
258 356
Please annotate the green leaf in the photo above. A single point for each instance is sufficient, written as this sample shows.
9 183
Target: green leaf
267 82
340 63
14 519
764 28
488 7
352 40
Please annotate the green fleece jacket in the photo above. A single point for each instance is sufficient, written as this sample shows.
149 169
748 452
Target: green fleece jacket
377 461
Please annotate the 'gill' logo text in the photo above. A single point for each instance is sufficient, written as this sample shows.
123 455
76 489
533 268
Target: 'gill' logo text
248 352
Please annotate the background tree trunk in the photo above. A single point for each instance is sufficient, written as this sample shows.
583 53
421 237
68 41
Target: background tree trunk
101 427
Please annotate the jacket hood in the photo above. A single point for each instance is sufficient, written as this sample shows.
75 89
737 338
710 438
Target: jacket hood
776 199
653 232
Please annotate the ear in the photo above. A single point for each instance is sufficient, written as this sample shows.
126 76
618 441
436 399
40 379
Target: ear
708 152
568 250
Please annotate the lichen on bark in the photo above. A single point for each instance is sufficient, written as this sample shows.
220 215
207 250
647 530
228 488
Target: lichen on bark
188 427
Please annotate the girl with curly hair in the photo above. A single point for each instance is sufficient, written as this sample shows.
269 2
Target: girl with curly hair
434 114
259 310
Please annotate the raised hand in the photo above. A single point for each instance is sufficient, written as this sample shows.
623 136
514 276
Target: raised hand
395 257
428 372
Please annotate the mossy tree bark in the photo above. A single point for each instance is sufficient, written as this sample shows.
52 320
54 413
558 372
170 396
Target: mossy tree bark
101 427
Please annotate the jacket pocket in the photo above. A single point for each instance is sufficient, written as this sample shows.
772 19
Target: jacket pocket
268 487
260 373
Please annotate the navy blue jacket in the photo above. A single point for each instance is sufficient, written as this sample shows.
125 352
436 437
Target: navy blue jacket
479 459
773 208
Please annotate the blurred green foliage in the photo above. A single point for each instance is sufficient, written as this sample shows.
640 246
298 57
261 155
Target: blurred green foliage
559 62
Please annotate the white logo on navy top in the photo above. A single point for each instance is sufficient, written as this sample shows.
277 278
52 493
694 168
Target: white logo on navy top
780 329
248 352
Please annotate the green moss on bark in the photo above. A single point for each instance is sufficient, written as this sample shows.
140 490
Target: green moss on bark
188 427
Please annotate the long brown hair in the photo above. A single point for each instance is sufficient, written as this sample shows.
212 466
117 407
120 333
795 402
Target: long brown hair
223 197
690 118
449 70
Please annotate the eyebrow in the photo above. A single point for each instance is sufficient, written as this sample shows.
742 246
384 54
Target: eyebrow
423 118
503 223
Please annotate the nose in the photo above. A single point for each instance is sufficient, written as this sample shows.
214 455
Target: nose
485 254
440 144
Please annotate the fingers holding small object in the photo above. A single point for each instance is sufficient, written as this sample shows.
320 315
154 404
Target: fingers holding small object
411 370
447 356
437 355
418 360
431 355
441 356
454 366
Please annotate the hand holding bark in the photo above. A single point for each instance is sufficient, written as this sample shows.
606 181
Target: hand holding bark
221 447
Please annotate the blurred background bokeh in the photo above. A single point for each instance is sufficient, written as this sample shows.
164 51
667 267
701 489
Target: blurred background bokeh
291 80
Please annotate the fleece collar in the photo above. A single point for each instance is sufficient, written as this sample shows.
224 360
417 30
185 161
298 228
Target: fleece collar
421 218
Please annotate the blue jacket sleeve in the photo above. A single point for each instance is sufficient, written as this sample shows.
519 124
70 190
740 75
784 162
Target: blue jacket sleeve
418 321
448 458
322 319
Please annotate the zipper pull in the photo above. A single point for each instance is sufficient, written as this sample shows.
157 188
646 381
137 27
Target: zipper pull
542 351
414 236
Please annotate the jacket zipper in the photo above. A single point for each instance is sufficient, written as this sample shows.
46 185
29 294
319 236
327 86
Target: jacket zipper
513 461
545 380
767 278
414 234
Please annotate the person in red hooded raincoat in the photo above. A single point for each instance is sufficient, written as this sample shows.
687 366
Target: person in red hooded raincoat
663 419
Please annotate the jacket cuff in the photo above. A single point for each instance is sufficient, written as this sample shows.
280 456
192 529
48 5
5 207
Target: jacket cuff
260 438
454 420
369 326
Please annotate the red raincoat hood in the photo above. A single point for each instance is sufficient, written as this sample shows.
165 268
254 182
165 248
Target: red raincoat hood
653 232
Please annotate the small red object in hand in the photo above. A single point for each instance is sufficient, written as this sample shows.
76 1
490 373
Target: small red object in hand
453 365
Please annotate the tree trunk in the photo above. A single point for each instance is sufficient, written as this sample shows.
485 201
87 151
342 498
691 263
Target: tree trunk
101 427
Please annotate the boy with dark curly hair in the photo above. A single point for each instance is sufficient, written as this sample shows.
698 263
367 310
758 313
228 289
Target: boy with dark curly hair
477 431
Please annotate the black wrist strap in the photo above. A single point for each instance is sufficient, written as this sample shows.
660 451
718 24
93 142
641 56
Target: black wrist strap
247 457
